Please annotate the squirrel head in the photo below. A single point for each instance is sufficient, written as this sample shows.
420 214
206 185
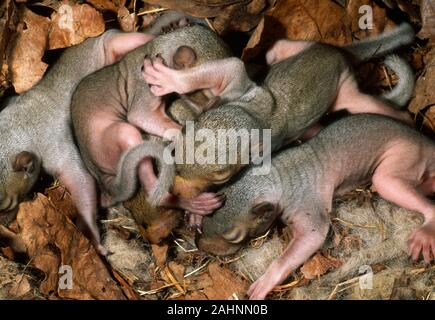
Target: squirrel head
18 174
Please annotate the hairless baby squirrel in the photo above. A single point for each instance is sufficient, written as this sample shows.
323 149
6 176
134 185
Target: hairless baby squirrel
399 161
35 127
109 127
306 80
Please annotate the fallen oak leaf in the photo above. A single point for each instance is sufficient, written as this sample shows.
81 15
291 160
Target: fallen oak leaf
225 283
427 10
318 265
61 199
160 253
53 241
6 12
317 20
127 21
109 5
29 46
73 24
423 102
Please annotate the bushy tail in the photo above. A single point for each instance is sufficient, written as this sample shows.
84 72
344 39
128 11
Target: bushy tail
402 92
381 45
125 183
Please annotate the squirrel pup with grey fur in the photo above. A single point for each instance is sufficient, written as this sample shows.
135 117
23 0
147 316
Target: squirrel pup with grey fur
358 149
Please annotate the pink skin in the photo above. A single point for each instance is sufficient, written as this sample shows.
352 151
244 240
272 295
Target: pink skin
283 49
81 186
400 177
119 44
163 80
398 185
112 138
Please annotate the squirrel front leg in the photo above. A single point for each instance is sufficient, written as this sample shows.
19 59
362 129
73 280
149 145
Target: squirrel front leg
226 78
309 234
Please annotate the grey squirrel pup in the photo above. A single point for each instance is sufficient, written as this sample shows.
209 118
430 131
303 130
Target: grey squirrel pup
362 148
36 132
109 127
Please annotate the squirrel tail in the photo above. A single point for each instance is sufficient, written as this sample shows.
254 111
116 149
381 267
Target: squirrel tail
381 45
403 90
125 182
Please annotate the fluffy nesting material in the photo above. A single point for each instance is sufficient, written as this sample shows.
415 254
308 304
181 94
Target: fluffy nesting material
371 233
420 285
380 230
129 257
254 261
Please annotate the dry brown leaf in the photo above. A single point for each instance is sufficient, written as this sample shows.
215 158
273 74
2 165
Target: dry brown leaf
427 10
319 265
318 20
72 25
201 281
197 8
239 17
109 5
6 12
127 21
29 46
52 241
61 199
225 284
230 15
178 271
160 253
424 95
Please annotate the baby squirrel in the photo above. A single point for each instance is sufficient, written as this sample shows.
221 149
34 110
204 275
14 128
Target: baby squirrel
362 148
109 127
36 127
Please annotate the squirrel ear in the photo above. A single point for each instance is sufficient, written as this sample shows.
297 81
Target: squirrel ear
24 161
265 210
